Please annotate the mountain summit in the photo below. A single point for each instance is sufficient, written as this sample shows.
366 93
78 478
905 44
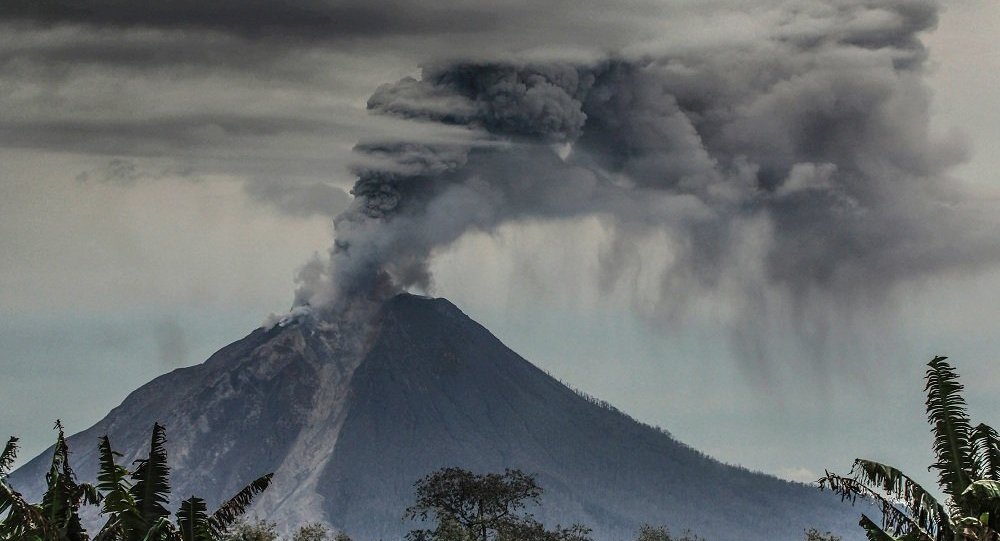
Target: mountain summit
349 423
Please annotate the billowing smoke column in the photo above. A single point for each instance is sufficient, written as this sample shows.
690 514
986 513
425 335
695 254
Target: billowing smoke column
803 160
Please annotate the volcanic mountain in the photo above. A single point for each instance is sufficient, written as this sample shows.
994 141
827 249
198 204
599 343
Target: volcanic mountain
348 430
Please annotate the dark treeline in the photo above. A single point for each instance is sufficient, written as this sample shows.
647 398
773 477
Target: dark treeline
451 504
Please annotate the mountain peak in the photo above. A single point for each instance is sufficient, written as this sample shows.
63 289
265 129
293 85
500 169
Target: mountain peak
414 305
348 431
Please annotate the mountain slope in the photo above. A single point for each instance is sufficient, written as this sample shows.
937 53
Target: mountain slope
349 430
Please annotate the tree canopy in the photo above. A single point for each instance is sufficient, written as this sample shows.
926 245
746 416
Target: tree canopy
490 507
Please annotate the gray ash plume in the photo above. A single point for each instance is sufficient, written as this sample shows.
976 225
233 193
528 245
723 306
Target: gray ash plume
801 164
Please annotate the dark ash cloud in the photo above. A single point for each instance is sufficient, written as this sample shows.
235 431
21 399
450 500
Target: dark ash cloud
126 172
256 19
536 101
804 166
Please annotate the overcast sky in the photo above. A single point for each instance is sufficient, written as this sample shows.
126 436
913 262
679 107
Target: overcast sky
166 172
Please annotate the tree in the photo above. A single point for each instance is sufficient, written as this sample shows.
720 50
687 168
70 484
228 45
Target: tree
532 530
967 461
134 502
661 533
648 532
490 507
314 531
260 530
812 534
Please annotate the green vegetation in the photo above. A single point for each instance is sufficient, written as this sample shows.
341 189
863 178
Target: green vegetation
133 501
312 532
259 530
967 464
460 505
661 533
264 530
490 507
812 534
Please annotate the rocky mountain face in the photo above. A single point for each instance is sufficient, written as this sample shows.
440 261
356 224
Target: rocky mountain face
349 423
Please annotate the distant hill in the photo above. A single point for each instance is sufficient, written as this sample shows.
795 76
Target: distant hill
348 434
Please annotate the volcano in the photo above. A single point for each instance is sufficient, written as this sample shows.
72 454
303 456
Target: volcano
348 429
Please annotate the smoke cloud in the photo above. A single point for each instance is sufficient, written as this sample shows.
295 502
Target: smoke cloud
171 343
802 162
299 199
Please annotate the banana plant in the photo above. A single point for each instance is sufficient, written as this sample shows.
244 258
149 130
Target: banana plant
133 502
967 461
194 524
136 503
57 517
18 518
64 496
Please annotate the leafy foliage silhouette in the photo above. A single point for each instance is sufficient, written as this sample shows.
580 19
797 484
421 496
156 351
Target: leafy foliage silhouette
967 461
488 507
134 502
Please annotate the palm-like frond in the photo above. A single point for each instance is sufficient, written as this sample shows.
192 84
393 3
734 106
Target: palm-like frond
113 530
227 514
986 450
58 485
89 495
7 456
118 502
112 481
872 531
160 530
63 496
20 519
894 519
192 521
982 499
946 412
152 480
135 502
968 466
924 509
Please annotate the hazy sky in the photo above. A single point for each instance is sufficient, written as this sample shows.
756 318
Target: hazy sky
167 172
